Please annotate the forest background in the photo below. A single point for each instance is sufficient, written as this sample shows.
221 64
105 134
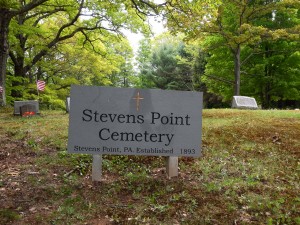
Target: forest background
222 48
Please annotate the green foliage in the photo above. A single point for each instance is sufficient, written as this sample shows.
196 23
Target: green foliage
168 64
10 88
72 62
8 216
218 73
65 42
50 43
270 72
274 75
229 30
124 76
9 4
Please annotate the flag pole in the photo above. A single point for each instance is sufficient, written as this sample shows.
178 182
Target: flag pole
37 89
40 85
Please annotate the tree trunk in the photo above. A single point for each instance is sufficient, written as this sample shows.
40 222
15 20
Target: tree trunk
18 59
237 70
5 18
19 72
268 79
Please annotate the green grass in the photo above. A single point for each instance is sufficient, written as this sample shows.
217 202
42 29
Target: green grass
249 173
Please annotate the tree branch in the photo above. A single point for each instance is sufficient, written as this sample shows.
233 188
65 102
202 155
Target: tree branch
148 4
28 7
219 79
57 38
12 57
44 15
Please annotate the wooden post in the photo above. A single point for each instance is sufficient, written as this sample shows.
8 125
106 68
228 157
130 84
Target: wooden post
97 168
172 166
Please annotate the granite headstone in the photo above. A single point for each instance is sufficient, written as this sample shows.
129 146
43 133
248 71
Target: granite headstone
244 102
19 104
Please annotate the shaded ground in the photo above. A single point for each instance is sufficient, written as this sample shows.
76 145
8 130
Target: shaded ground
248 174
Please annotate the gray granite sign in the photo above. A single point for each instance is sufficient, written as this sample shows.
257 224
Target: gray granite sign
19 104
127 121
243 102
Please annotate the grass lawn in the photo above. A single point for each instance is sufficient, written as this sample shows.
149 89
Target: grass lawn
249 173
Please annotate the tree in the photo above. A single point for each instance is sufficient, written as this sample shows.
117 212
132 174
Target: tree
169 64
71 61
79 17
273 76
8 10
263 65
124 75
233 22
144 63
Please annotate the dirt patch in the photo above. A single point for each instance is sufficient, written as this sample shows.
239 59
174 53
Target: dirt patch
40 183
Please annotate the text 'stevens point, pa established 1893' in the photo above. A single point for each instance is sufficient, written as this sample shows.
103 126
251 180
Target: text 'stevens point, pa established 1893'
127 121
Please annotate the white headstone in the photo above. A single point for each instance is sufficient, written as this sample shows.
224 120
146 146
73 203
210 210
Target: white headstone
68 104
244 102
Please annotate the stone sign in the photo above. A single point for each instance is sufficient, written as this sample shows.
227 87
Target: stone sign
243 102
127 121
19 104
68 104
28 110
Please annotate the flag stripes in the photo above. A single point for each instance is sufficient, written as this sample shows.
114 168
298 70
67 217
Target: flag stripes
40 85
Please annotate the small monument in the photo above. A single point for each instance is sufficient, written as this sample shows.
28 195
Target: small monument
244 102
68 104
19 104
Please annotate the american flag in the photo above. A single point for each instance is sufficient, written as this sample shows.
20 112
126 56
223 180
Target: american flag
1 89
40 85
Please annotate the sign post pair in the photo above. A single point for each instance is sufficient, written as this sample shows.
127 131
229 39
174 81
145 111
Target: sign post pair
127 121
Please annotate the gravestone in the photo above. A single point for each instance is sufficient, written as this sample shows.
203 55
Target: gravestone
19 104
28 110
68 104
244 102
